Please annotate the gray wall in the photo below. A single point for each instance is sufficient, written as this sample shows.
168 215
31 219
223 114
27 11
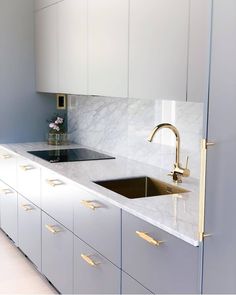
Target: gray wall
23 112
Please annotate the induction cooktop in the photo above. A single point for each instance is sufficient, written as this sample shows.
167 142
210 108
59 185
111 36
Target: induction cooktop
70 155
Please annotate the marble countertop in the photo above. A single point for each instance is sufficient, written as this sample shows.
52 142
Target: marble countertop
176 214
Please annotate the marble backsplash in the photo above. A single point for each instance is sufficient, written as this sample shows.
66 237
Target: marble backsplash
121 126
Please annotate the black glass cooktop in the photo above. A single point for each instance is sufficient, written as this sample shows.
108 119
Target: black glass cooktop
70 155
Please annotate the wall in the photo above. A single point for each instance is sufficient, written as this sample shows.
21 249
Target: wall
23 113
121 126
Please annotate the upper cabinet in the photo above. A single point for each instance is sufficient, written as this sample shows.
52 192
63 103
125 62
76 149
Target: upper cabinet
158 49
61 48
199 50
108 47
72 46
149 49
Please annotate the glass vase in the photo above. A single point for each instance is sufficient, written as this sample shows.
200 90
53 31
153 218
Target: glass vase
57 138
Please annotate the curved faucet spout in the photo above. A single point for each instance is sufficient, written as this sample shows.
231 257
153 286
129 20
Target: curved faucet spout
178 170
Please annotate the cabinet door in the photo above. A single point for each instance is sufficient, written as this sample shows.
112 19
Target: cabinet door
219 264
29 230
98 223
8 211
46 50
8 167
108 47
72 46
57 198
171 266
28 180
199 50
57 254
158 49
93 274
130 286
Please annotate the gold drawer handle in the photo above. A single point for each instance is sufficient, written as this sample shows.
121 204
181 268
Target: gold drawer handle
6 191
90 204
27 207
52 228
54 182
26 167
5 156
148 239
89 260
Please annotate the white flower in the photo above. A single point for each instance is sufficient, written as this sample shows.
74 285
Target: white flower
57 128
51 125
59 120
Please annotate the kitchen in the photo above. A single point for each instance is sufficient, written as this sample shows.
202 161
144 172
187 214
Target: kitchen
135 196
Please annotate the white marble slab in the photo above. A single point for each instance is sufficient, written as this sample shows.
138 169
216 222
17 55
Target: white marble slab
178 215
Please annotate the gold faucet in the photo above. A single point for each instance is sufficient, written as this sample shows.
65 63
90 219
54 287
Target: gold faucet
178 171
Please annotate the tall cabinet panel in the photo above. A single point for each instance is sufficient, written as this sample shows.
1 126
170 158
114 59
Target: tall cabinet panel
199 50
219 264
108 47
46 50
158 49
72 46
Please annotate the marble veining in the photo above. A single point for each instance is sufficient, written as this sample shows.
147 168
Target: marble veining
176 214
121 126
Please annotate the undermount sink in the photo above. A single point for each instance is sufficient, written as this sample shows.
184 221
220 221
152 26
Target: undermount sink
140 187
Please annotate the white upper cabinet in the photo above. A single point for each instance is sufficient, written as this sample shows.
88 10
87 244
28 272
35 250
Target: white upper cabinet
39 4
199 47
158 49
108 47
46 50
72 46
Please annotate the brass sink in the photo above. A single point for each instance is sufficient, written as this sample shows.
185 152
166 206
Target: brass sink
140 187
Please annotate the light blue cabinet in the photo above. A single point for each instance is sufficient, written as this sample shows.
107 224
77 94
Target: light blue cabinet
131 286
29 230
57 254
93 274
159 261
9 211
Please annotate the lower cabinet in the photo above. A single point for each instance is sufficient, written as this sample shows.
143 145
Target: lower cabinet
93 274
57 254
9 211
130 286
159 261
29 230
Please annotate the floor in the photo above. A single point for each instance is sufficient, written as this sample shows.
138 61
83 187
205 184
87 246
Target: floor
17 274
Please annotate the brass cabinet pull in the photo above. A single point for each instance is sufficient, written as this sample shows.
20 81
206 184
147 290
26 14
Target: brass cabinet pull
52 228
54 182
26 167
5 156
90 204
27 207
6 191
89 260
148 239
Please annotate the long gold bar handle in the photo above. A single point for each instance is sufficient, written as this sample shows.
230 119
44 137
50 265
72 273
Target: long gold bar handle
90 204
26 167
54 182
27 207
52 228
5 156
89 260
148 239
6 191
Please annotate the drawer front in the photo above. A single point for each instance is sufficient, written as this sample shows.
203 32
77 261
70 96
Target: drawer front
172 266
28 180
98 223
57 198
8 211
29 230
8 167
57 254
131 286
93 274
